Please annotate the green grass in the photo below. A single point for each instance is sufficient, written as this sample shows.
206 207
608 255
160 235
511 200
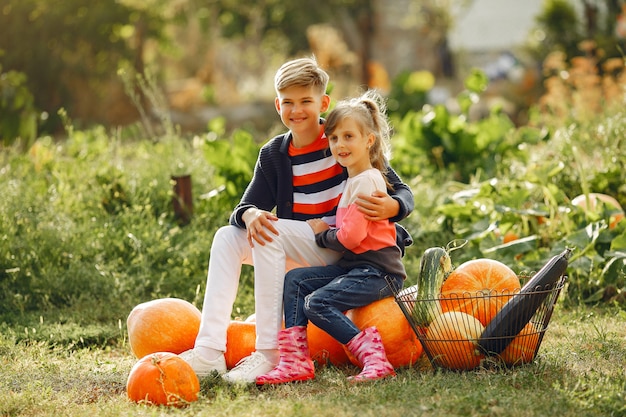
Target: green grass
579 371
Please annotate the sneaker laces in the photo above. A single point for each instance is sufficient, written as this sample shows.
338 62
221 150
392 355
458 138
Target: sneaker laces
250 362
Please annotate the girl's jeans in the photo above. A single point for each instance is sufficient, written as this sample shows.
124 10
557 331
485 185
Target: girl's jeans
322 294
294 247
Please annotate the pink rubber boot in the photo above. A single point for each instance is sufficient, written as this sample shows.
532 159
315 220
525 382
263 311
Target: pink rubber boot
295 362
367 347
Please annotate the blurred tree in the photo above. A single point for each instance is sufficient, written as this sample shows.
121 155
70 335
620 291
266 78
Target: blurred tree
366 25
18 118
279 23
290 19
562 26
70 51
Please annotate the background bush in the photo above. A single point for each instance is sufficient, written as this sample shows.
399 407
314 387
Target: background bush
89 222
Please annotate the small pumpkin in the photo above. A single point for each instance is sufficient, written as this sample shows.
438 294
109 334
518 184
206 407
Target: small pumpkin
510 236
162 325
452 341
240 341
324 348
162 378
479 287
523 348
402 346
594 202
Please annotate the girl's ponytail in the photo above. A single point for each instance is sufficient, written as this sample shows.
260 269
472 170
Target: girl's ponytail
369 110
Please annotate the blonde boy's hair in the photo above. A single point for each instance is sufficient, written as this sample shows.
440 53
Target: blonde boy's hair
301 72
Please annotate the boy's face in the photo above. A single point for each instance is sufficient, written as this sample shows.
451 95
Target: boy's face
299 108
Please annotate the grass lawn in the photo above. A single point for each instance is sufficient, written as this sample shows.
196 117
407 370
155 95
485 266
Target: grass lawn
580 370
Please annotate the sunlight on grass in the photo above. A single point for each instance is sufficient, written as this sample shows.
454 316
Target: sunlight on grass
575 373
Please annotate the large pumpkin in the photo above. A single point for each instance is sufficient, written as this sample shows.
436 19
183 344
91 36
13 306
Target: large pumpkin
400 341
162 378
522 349
240 341
479 287
452 341
594 202
163 325
324 348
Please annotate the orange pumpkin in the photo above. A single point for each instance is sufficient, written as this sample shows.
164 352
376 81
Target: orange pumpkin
595 199
452 341
240 341
479 287
162 378
324 348
163 325
522 349
510 236
400 341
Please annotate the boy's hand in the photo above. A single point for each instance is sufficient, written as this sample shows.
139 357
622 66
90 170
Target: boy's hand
318 225
258 223
378 206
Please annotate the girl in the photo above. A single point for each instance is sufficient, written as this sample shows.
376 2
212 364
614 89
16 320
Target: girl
358 134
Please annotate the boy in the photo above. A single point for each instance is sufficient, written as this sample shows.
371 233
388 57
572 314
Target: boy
296 175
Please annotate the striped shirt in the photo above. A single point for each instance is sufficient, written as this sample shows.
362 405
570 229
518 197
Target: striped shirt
318 180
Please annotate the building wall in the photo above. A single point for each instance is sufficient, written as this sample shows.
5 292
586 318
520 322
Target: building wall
485 29
494 24
396 42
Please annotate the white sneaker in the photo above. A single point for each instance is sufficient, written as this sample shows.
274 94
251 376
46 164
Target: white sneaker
249 368
203 367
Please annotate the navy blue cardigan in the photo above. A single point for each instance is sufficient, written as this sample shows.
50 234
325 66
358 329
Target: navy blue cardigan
272 187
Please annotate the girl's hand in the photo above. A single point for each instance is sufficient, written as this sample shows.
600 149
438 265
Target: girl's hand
318 225
378 206
259 226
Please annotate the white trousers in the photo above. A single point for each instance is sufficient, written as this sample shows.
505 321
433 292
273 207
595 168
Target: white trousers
294 247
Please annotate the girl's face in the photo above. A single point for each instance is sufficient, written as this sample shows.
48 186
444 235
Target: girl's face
300 108
350 146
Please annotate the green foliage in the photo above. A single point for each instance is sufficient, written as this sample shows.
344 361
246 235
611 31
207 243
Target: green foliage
583 144
530 195
233 158
91 219
450 141
409 91
18 118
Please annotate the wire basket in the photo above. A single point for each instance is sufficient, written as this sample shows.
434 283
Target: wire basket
462 331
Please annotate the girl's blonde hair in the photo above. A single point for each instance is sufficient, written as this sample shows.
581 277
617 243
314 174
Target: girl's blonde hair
369 111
